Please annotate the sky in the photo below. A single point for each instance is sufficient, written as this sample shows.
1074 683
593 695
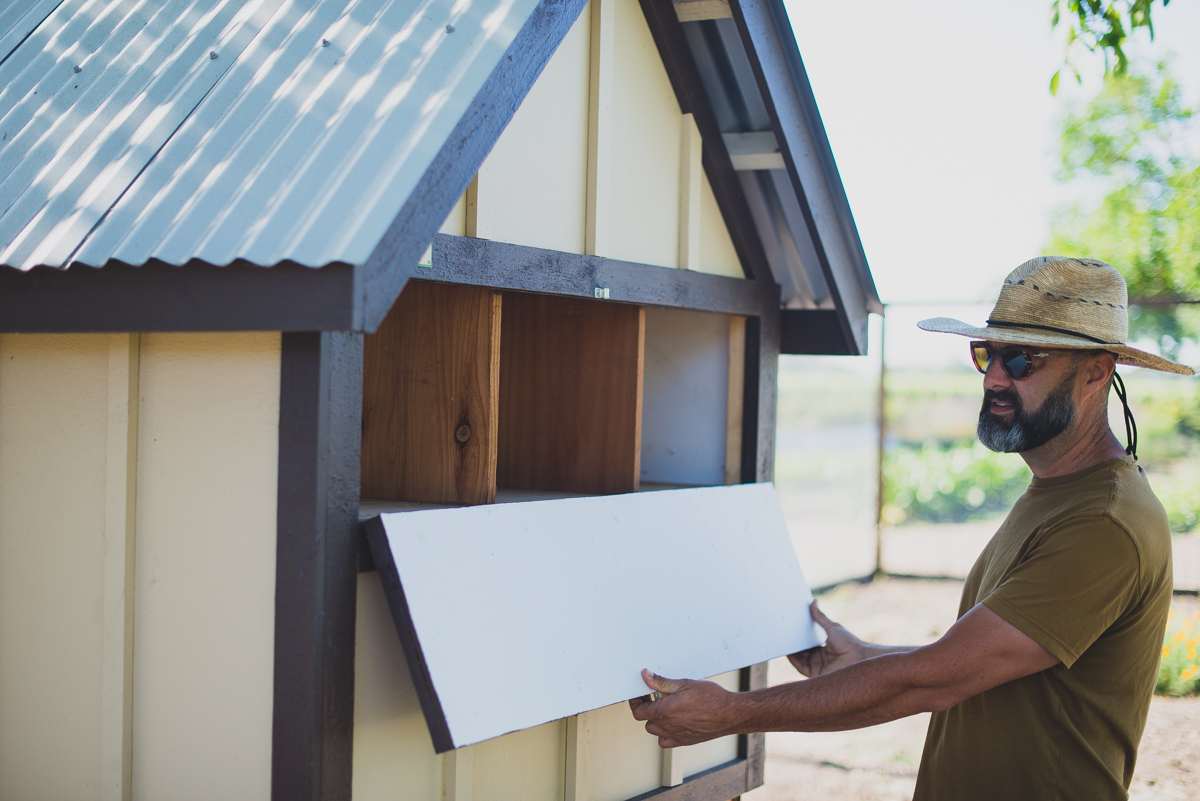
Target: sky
942 124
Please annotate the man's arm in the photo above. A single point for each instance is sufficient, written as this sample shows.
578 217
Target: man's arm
979 652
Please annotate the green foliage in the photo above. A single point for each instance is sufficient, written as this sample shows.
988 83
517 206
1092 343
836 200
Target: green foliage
1095 25
950 483
1135 141
1179 671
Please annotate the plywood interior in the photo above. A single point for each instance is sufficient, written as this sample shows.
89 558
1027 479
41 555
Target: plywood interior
570 394
684 409
430 378
514 581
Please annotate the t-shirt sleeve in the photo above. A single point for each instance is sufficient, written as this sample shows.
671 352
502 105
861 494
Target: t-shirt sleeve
1074 582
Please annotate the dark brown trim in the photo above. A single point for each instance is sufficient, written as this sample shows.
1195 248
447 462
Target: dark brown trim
394 259
716 784
431 705
693 99
775 60
320 409
761 388
814 332
481 262
752 747
165 297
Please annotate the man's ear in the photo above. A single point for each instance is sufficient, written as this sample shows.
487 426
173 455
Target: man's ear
1096 373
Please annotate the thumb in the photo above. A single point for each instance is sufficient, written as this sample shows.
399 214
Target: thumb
820 618
661 683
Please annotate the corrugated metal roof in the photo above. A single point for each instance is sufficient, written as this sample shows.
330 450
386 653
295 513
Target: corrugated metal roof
198 129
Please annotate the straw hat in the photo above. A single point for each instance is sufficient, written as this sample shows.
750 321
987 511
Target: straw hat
1059 302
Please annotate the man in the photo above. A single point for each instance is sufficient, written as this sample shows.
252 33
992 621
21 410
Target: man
1042 687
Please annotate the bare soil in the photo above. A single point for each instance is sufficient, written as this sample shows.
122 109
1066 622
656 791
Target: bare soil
880 763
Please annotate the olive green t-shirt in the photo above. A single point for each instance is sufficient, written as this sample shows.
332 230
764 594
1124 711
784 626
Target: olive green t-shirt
1082 565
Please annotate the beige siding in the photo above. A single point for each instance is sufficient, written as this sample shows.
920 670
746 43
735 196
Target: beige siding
524 766
393 755
53 417
717 254
697 758
623 760
205 575
531 190
646 147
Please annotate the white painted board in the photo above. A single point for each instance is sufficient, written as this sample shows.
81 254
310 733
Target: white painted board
517 614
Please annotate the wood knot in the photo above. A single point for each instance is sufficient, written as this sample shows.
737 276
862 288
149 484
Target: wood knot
462 433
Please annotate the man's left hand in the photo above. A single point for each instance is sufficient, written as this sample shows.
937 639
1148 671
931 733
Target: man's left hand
688 712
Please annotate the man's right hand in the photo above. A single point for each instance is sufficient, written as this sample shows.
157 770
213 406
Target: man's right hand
841 648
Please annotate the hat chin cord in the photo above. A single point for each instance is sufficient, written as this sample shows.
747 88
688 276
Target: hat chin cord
1130 425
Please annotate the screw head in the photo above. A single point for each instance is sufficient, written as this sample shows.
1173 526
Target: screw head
449 29
212 55
324 43
78 69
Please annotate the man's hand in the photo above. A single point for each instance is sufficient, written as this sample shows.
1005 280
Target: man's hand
841 648
689 711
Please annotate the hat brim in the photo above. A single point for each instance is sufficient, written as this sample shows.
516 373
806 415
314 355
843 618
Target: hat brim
1028 336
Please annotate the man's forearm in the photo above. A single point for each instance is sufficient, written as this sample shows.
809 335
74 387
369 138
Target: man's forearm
878 689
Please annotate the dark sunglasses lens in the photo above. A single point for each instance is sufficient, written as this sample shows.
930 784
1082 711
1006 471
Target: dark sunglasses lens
1015 362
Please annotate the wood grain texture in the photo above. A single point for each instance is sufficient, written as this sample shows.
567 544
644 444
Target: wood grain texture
430 392
316 588
479 262
735 397
570 394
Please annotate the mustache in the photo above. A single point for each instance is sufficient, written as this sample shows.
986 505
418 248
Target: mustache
1003 395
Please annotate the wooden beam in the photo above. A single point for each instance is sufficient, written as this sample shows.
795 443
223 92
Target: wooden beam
320 409
735 397
570 394
430 393
754 151
690 155
478 262
700 10
394 259
814 332
717 784
164 297
597 233
120 514
753 747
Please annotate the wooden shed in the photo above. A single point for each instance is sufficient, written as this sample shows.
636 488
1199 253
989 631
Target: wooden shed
269 269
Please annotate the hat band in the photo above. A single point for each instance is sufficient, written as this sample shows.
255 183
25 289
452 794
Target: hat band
1001 324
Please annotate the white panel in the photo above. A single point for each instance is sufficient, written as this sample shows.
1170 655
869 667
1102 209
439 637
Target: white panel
393 756
684 398
644 213
205 574
53 430
533 186
553 593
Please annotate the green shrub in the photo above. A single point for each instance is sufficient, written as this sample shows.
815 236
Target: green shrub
950 483
1179 671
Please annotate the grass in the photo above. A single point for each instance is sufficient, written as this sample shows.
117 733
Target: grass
1179 671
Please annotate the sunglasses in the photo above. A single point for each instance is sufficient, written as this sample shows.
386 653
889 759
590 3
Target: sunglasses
1017 363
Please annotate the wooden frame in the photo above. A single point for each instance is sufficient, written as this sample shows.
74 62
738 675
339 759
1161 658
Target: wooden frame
316 566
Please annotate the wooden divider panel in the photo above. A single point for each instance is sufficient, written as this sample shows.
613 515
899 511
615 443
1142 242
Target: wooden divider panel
570 394
430 378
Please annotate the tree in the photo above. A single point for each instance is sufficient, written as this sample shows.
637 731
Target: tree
1095 25
1134 145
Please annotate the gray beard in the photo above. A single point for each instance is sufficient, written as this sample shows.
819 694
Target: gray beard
1026 431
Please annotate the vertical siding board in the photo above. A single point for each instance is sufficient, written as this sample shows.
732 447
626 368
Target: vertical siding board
316 584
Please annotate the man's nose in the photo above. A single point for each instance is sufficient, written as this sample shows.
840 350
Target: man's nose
995 378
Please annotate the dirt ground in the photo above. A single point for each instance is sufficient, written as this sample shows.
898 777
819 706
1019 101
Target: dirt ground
880 763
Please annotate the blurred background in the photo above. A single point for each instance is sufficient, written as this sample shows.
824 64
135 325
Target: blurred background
971 138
